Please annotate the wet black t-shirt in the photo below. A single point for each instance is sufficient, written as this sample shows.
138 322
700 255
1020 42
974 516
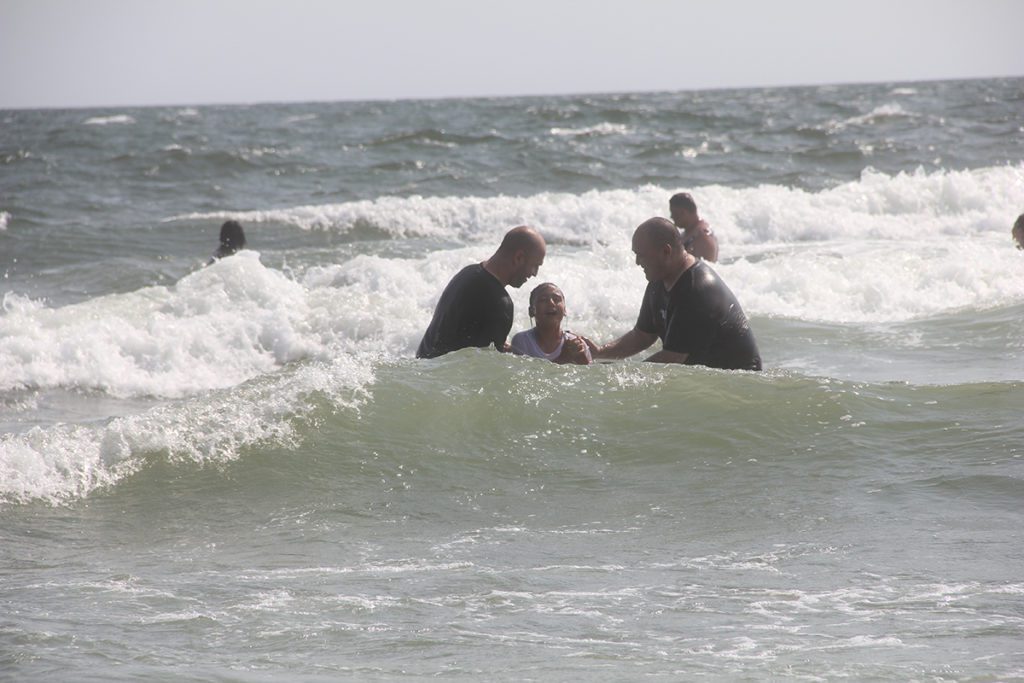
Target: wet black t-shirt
474 310
702 318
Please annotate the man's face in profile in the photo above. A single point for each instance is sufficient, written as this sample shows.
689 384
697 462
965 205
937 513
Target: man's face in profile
530 264
649 257
681 217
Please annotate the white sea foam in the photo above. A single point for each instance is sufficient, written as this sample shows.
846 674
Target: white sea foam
882 248
4 217
944 204
68 461
215 328
605 128
879 113
109 120
717 146
470 219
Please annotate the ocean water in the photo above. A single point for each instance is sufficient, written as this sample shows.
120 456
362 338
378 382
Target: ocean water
240 472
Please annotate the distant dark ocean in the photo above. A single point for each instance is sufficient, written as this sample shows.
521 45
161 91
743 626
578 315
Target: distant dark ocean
240 472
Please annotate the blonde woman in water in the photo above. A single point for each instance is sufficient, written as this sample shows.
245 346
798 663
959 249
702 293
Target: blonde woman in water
546 339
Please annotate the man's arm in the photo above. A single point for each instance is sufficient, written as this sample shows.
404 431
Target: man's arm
705 246
628 344
499 321
664 356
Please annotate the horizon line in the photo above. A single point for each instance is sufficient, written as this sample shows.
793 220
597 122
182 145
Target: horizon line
593 93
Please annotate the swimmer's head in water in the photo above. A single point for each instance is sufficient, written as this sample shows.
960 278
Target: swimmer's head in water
682 200
1018 231
547 301
232 238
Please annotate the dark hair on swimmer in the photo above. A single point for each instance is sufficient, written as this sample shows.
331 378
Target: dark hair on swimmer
1018 231
232 238
683 200
535 292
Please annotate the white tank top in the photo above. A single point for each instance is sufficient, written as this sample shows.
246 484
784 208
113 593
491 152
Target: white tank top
525 343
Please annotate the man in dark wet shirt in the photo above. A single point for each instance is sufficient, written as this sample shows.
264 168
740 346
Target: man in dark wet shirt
475 309
687 305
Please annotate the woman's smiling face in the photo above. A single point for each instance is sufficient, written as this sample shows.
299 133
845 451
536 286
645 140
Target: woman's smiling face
547 303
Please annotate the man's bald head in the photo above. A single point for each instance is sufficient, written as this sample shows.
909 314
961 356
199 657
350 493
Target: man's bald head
519 256
659 250
658 232
522 238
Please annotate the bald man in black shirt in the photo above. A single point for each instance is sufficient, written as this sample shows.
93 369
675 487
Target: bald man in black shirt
475 309
687 305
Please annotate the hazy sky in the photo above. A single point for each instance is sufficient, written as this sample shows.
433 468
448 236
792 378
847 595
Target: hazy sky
77 53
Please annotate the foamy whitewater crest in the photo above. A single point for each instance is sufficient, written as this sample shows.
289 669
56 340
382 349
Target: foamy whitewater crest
215 328
842 282
719 145
906 206
109 120
225 324
562 216
4 217
605 128
376 303
883 248
65 462
879 113
870 282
